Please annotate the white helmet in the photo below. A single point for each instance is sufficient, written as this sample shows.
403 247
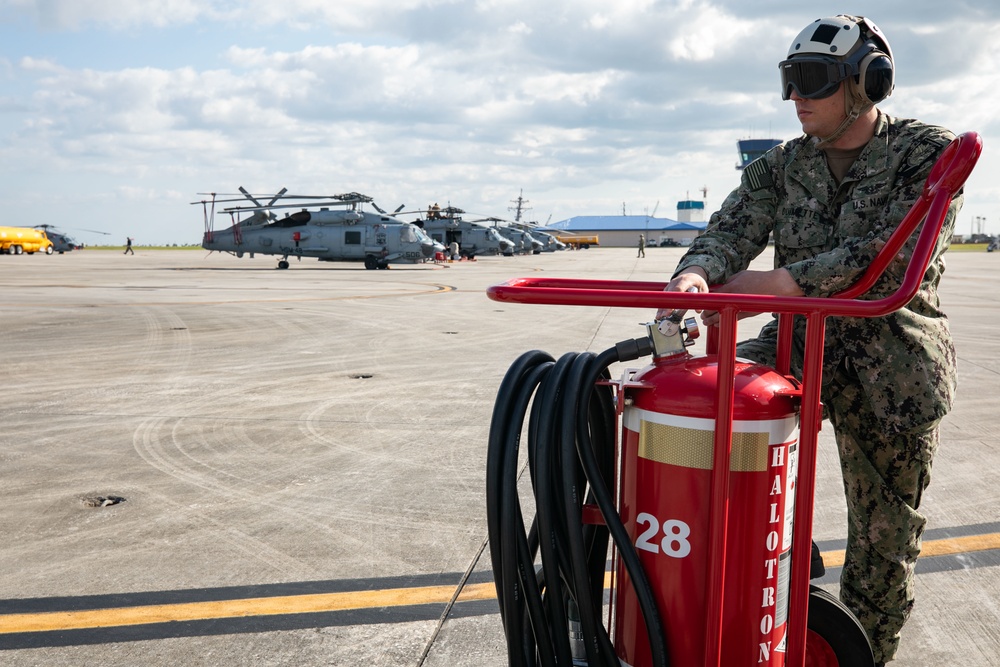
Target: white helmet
831 50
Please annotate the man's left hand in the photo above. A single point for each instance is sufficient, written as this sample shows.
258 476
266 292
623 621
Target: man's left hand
777 282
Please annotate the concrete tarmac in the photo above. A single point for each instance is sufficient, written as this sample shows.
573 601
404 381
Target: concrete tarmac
208 461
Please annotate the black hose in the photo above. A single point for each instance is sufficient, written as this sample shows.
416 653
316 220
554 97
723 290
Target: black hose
571 458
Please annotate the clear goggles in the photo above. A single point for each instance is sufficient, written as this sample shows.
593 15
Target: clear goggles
812 77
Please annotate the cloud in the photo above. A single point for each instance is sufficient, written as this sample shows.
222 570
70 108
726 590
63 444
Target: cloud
55 15
586 103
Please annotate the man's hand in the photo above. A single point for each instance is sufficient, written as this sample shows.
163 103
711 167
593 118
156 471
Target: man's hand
777 282
692 280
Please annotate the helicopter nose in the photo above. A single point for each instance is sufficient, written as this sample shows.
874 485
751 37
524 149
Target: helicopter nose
430 249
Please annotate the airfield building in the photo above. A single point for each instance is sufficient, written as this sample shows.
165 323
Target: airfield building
622 231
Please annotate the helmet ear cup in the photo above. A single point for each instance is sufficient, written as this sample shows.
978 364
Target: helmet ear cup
875 76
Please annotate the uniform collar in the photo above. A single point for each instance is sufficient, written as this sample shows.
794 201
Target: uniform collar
875 156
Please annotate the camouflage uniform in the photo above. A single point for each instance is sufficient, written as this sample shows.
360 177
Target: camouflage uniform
887 381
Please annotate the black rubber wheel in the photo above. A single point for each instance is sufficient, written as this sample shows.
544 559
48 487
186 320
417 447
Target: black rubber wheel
371 262
835 637
282 264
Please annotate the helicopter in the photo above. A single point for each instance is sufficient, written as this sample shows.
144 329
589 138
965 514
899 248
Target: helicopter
63 243
548 240
523 242
447 226
345 234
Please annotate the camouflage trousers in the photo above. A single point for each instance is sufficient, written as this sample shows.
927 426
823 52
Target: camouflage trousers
885 475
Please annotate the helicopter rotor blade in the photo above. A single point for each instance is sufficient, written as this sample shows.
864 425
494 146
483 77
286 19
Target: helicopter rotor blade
332 202
277 196
250 197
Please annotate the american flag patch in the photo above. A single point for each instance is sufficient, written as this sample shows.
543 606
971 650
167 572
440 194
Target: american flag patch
758 175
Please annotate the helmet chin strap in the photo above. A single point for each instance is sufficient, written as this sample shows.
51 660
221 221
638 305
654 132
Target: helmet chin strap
855 105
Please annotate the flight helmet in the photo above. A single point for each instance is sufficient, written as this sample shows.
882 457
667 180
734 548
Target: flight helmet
843 48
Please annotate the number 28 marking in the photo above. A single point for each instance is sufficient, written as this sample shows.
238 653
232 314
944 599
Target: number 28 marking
674 542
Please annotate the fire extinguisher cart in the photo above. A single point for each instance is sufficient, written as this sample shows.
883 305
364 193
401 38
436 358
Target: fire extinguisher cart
714 619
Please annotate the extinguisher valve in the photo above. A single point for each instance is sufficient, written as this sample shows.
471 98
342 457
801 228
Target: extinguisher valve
671 334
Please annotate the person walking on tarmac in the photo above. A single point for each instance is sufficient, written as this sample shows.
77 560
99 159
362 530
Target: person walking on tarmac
831 198
642 246
128 246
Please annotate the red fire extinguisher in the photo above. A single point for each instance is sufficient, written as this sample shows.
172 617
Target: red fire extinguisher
667 458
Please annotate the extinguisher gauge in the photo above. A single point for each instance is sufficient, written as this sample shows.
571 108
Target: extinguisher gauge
691 328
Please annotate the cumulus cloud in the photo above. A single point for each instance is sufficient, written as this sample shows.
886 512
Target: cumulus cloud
582 104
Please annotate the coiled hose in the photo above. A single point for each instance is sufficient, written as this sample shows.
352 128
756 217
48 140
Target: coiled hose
571 459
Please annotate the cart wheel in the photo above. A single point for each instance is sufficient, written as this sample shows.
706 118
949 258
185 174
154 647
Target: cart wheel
835 637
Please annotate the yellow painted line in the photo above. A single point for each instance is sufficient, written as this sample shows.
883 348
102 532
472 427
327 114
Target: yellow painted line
331 602
946 547
270 606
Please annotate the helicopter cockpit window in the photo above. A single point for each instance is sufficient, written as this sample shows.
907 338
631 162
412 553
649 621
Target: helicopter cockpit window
409 234
493 234
352 237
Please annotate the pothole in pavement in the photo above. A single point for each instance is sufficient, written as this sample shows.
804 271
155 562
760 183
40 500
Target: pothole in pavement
102 501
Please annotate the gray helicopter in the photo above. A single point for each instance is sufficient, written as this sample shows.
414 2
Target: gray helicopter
521 239
446 226
63 243
548 240
337 230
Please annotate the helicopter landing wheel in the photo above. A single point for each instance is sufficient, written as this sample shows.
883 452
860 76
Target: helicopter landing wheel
283 264
371 262
835 637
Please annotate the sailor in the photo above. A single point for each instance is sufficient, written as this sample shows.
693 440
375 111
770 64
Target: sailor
830 199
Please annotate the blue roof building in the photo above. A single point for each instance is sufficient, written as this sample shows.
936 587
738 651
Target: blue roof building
624 230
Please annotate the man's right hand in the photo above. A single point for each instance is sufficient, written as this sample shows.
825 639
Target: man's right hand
693 279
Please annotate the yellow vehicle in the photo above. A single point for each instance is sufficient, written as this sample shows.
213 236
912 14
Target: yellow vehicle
17 240
577 241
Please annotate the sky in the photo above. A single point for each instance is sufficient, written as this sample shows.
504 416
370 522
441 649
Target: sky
115 114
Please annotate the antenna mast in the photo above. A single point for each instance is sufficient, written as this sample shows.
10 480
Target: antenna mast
520 206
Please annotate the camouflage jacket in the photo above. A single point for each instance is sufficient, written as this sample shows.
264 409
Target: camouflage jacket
826 236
